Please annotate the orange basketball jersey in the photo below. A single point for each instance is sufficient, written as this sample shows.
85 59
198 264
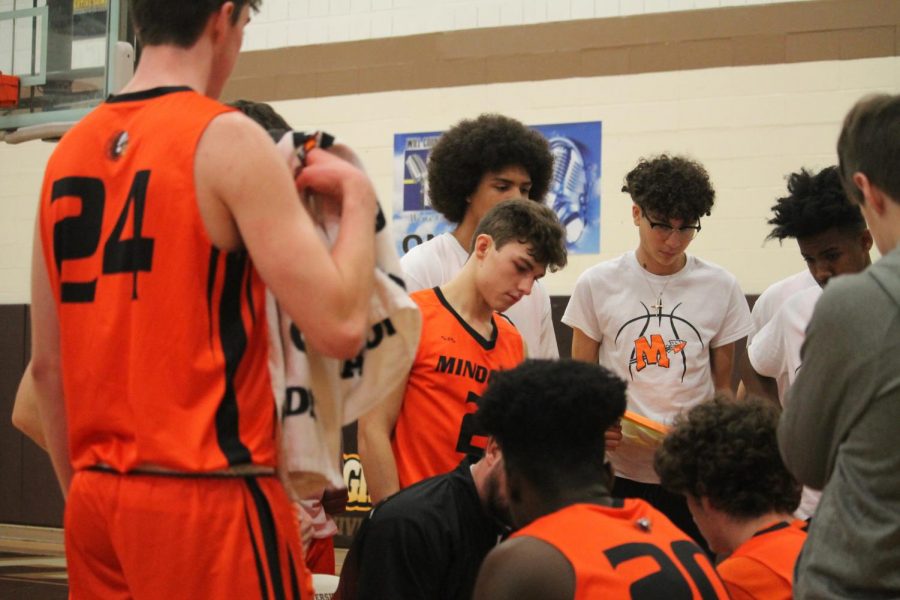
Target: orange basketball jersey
763 566
163 337
630 551
436 428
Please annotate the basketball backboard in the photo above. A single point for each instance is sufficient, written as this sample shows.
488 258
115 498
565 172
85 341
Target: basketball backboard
65 56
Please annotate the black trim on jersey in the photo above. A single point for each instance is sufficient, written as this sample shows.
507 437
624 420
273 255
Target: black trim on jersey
295 584
210 286
257 559
270 536
249 292
774 527
234 344
148 94
486 344
399 281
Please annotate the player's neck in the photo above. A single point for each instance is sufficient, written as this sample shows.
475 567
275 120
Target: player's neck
649 264
169 66
741 531
465 231
468 303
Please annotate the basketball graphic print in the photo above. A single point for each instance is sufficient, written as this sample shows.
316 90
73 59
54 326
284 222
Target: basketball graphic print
661 338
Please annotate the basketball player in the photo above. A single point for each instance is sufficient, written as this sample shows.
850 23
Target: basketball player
476 164
723 456
664 321
163 214
833 240
839 427
464 341
576 540
428 540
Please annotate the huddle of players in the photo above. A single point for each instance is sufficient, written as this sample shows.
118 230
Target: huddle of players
158 505
717 477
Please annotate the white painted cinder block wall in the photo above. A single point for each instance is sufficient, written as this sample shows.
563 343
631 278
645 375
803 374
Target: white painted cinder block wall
297 22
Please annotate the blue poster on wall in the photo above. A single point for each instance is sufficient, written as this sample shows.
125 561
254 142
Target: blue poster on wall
574 192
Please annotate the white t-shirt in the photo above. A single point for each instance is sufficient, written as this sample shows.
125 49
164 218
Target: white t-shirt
664 359
774 296
439 259
775 349
775 352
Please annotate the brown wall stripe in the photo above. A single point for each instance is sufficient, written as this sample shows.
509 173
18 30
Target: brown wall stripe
739 36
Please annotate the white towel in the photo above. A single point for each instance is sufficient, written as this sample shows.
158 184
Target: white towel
318 395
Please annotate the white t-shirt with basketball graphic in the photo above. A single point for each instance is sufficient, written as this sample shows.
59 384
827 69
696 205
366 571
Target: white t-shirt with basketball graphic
662 352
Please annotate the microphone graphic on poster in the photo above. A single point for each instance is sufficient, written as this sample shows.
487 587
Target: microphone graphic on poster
569 187
418 172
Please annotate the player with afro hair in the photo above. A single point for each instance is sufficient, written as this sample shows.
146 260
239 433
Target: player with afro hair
829 229
475 147
474 166
723 456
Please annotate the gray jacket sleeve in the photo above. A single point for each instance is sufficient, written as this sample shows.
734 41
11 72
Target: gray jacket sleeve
835 383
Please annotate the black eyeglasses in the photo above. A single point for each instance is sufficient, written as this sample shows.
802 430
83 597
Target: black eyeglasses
664 230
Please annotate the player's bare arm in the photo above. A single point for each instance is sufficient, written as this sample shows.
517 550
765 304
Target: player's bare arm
374 440
721 364
248 198
525 569
584 348
754 383
587 349
46 368
25 416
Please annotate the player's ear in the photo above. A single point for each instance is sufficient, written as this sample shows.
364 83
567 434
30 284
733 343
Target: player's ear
636 214
492 451
867 240
483 243
220 21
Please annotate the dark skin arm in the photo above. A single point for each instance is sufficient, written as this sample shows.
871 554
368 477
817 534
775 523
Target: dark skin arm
752 383
525 568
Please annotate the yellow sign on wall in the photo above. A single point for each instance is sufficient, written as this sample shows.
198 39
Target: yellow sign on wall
83 6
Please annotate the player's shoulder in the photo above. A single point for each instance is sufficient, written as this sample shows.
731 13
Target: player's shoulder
707 269
605 271
783 289
421 255
800 301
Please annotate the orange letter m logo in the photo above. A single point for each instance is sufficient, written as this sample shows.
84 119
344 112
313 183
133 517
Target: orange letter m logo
653 353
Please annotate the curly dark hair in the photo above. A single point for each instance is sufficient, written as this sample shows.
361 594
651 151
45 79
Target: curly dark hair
671 187
726 451
870 143
262 113
549 418
178 22
816 202
474 147
528 223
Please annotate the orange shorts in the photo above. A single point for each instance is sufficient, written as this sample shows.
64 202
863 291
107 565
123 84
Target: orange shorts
156 536
320 556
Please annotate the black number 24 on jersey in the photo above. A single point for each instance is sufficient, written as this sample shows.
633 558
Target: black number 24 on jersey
78 236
